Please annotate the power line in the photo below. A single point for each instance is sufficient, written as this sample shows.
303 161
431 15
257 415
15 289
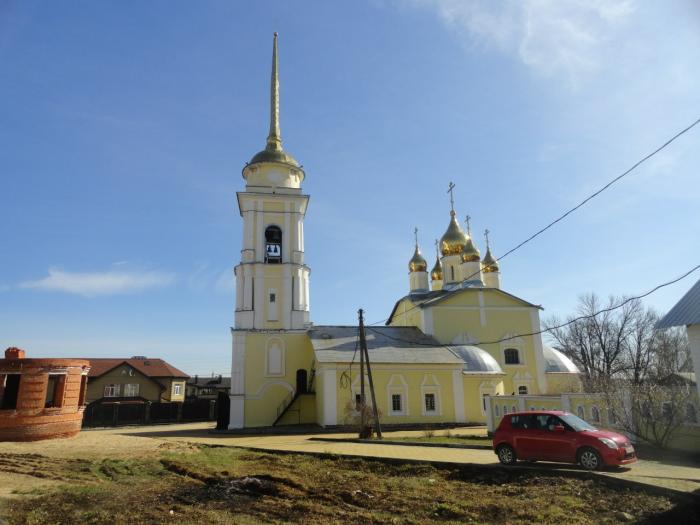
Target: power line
551 328
580 204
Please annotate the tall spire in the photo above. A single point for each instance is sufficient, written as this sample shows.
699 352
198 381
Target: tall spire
273 151
274 138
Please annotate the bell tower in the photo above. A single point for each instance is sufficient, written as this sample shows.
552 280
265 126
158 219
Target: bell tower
272 280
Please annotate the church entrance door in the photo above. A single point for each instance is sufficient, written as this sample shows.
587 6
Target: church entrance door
301 381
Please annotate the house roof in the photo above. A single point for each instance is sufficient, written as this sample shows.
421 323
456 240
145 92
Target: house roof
686 311
210 382
426 299
150 367
385 344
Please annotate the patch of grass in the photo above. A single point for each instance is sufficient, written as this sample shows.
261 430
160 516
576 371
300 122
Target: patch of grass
224 485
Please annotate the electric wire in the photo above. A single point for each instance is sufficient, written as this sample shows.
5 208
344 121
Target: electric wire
551 328
580 204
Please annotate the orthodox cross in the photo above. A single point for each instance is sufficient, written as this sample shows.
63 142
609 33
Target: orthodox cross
415 234
469 228
486 234
437 250
452 200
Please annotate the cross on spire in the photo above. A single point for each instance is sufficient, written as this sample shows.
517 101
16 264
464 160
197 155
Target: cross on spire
274 139
450 188
437 250
467 220
486 234
415 233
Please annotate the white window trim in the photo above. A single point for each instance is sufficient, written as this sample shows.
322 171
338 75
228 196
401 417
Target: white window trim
516 343
268 345
177 389
397 385
430 385
272 308
116 388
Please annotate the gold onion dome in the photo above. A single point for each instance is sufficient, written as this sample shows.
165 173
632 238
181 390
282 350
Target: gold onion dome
436 272
273 151
470 252
454 240
417 262
489 264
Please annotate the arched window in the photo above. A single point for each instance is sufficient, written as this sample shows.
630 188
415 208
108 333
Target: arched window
273 245
580 413
505 410
595 414
522 390
497 410
512 356
513 410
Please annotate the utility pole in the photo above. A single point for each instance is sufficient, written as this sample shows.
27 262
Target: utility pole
363 350
363 423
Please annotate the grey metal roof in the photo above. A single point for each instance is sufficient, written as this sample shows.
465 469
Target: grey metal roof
686 311
557 362
476 360
385 344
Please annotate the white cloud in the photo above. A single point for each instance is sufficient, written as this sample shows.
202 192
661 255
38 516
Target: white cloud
99 283
553 37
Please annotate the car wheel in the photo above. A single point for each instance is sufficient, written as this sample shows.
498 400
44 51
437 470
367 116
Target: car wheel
506 455
590 459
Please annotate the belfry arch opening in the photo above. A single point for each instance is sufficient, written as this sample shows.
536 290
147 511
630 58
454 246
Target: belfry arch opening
273 245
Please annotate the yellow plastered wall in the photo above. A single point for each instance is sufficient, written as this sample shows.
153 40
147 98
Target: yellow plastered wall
265 392
562 383
487 315
411 382
407 314
301 412
475 386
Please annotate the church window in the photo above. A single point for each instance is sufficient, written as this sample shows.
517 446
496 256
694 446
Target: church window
595 414
430 402
497 411
505 410
512 356
273 245
452 273
522 390
396 402
272 297
275 358
580 413
513 410
358 401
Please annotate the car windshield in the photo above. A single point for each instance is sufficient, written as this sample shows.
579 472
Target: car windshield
576 423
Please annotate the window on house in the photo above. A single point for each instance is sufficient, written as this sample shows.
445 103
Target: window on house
452 273
612 416
505 410
595 414
8 393
512 356
430 402
273 296
522 390
273 245
512 409
177 389
131 390
497 410
112 390
396 402
580 413
691 414
54 391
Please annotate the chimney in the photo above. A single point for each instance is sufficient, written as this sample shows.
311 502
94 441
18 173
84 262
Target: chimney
14 353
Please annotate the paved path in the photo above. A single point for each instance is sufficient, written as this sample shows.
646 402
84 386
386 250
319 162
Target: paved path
684 478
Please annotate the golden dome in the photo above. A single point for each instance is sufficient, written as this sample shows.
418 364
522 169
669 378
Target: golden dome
489 264
454 240
470 252
417 262
436 272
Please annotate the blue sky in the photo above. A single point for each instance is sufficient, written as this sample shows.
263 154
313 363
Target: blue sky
125 126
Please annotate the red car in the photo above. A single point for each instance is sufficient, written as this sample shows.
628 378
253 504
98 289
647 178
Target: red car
559 436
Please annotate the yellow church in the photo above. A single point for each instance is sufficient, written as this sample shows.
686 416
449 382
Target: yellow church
456 341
